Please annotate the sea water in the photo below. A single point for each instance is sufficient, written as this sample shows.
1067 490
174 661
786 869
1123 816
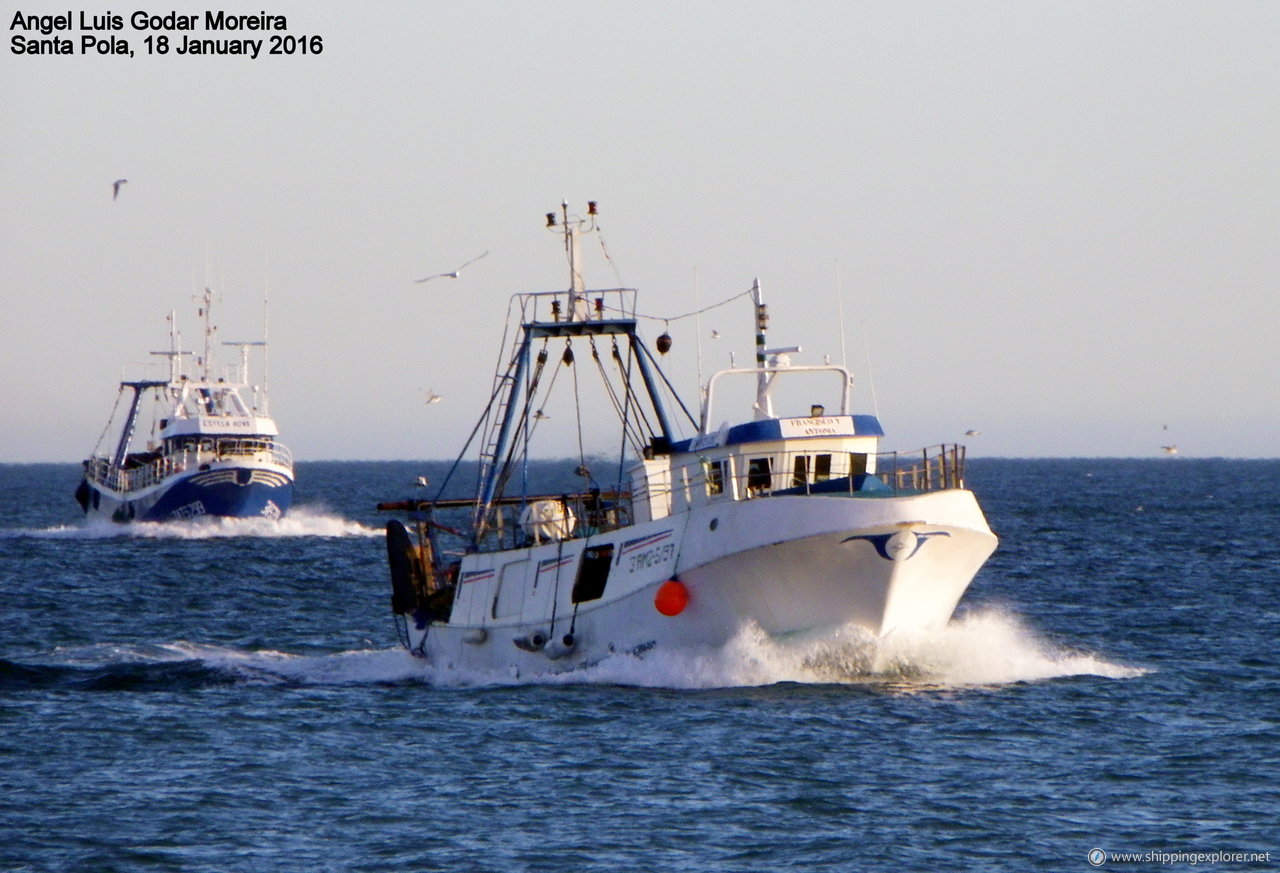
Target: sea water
228 696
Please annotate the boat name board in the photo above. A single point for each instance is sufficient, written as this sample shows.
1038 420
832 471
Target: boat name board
829 425
710 440
219 423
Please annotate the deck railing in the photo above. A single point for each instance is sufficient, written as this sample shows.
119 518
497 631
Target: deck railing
884 474
127 479
937 468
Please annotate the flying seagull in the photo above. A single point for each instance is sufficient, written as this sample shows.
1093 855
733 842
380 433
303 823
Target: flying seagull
433 397
455 273
115 187
972 432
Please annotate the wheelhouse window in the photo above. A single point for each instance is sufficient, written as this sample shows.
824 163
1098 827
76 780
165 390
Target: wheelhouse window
800 473
857 464
759 475
715 477
821 468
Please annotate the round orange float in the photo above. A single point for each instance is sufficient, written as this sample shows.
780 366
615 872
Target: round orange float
672 597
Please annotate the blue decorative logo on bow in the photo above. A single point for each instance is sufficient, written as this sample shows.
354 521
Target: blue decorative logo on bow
900 545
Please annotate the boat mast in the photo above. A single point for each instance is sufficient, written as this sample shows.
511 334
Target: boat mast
206 312
764 405
573 230
174 354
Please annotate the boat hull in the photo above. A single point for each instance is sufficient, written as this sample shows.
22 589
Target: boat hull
220 491
785 565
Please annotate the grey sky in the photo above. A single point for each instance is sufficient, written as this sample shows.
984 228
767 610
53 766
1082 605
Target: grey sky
1056 223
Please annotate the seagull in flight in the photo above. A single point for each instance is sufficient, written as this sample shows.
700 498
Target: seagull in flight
115 187
433 397
454 274
972 432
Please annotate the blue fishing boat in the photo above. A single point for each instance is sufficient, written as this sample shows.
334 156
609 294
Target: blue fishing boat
212 449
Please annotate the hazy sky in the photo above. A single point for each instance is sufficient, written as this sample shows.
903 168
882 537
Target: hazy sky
1056 223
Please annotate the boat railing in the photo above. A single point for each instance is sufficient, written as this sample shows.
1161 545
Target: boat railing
936 468
571 516
743 477
127 478
246 447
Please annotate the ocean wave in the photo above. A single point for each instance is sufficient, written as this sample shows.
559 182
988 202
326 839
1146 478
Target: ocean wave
300 522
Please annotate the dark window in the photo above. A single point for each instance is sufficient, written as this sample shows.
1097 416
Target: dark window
759 475
857 464
593 573
715 478
801 474
821 468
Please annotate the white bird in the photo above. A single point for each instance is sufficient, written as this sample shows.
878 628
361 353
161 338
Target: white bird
972 432
540 415
715 334
433 397
454 274
115 187
1170 450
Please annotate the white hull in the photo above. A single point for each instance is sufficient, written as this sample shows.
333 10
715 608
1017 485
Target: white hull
880 563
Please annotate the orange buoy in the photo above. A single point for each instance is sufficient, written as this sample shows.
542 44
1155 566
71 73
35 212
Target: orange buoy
672 597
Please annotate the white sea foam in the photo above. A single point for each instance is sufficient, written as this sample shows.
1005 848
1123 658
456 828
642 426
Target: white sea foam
983 649
300 522
359 667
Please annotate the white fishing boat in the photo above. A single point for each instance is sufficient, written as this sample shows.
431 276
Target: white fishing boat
211 450
791 523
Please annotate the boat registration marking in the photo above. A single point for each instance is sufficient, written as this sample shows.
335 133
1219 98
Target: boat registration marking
641 542
553 564
652 557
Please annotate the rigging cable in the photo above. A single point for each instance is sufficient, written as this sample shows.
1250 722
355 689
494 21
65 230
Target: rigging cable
627 396
577 409
693 421
630 395
670 318
110 419
628 429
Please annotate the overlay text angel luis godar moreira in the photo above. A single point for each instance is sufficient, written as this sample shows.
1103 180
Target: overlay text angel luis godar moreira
201 34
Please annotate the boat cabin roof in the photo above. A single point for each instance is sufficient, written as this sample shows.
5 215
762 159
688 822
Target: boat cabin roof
784 428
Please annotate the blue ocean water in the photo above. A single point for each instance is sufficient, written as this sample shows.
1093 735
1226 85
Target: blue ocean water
229 697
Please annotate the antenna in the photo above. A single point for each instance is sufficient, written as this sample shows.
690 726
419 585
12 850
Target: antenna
266 349
175 353
697 323
871 379
206 312
844 353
